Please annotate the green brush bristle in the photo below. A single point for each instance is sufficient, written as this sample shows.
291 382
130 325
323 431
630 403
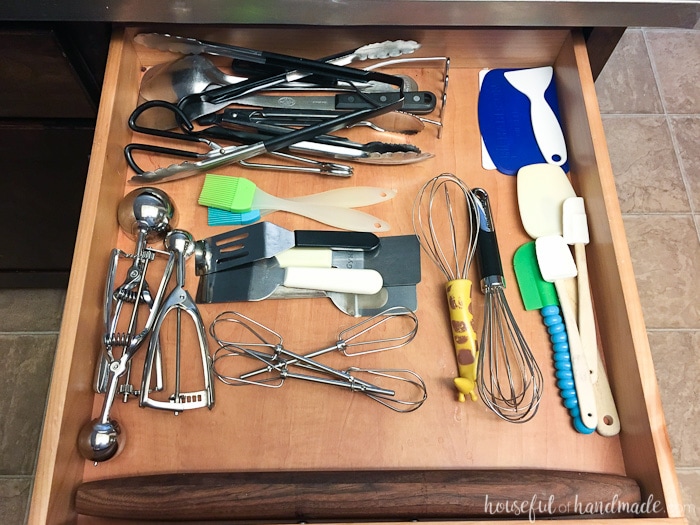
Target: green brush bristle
227 193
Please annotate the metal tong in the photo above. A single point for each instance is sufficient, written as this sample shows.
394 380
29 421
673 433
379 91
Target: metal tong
256 341
324 145
293 68
192 107
181 245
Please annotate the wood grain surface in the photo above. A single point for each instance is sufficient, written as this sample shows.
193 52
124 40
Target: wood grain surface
303 432
359 495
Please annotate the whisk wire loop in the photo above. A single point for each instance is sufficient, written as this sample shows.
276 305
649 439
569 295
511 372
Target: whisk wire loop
510 380
451 252
278 360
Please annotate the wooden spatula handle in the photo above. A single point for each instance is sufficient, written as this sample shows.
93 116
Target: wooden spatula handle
353 495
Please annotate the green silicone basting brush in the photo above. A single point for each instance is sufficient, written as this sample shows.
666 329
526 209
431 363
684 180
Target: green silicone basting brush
238 194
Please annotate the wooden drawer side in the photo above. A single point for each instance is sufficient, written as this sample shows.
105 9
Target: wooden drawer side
60 467
645 446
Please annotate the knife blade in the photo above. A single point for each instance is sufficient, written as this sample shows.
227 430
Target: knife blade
417 102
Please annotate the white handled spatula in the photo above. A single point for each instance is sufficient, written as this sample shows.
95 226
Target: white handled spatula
556 265
575 232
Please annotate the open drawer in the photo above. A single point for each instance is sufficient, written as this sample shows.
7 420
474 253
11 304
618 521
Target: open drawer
311 428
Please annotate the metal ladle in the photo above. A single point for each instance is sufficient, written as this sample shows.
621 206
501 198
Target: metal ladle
146 214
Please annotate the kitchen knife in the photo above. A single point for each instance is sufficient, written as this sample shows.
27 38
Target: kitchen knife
417 102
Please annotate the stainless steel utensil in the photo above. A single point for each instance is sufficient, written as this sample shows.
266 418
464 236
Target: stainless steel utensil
265 239
145 215
509 380
446 225
181 245
146 212
247 337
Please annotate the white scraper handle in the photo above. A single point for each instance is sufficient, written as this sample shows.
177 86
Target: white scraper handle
365 282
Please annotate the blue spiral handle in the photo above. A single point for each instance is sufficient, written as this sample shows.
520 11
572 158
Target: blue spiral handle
562 364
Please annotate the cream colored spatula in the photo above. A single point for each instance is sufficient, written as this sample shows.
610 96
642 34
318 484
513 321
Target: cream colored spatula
542 191
556 265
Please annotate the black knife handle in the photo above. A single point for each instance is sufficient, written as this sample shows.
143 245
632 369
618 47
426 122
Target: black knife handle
342 240
488 254
418 102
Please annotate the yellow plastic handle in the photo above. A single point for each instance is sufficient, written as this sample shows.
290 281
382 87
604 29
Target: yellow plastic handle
463 336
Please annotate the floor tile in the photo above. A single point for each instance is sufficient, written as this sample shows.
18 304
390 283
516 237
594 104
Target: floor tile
31 310
14 499
690 489
647 174
686 130
27 363
675 56
676 357
665 253
626 84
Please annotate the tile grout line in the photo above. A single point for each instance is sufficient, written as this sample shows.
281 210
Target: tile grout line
674 141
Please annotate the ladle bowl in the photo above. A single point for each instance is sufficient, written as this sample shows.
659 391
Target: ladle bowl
147 210
174 80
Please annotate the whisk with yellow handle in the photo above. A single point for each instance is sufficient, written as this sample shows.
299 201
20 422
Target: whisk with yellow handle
446 222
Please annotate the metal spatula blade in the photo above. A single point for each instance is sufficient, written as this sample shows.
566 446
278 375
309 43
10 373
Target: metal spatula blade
264 240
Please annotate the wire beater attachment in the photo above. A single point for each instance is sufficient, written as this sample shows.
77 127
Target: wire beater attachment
254 340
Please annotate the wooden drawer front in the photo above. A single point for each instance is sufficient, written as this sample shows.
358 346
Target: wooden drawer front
303 427
37 80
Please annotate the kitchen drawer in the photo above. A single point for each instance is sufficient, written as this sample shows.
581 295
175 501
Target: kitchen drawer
314 428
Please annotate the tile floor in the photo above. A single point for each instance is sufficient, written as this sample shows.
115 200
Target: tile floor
650 99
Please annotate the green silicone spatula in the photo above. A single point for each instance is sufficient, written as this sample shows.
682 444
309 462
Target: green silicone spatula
556 265
538 294
542 191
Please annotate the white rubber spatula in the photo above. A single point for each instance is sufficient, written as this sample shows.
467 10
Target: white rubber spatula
575 233
542 191
556 265
533 83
